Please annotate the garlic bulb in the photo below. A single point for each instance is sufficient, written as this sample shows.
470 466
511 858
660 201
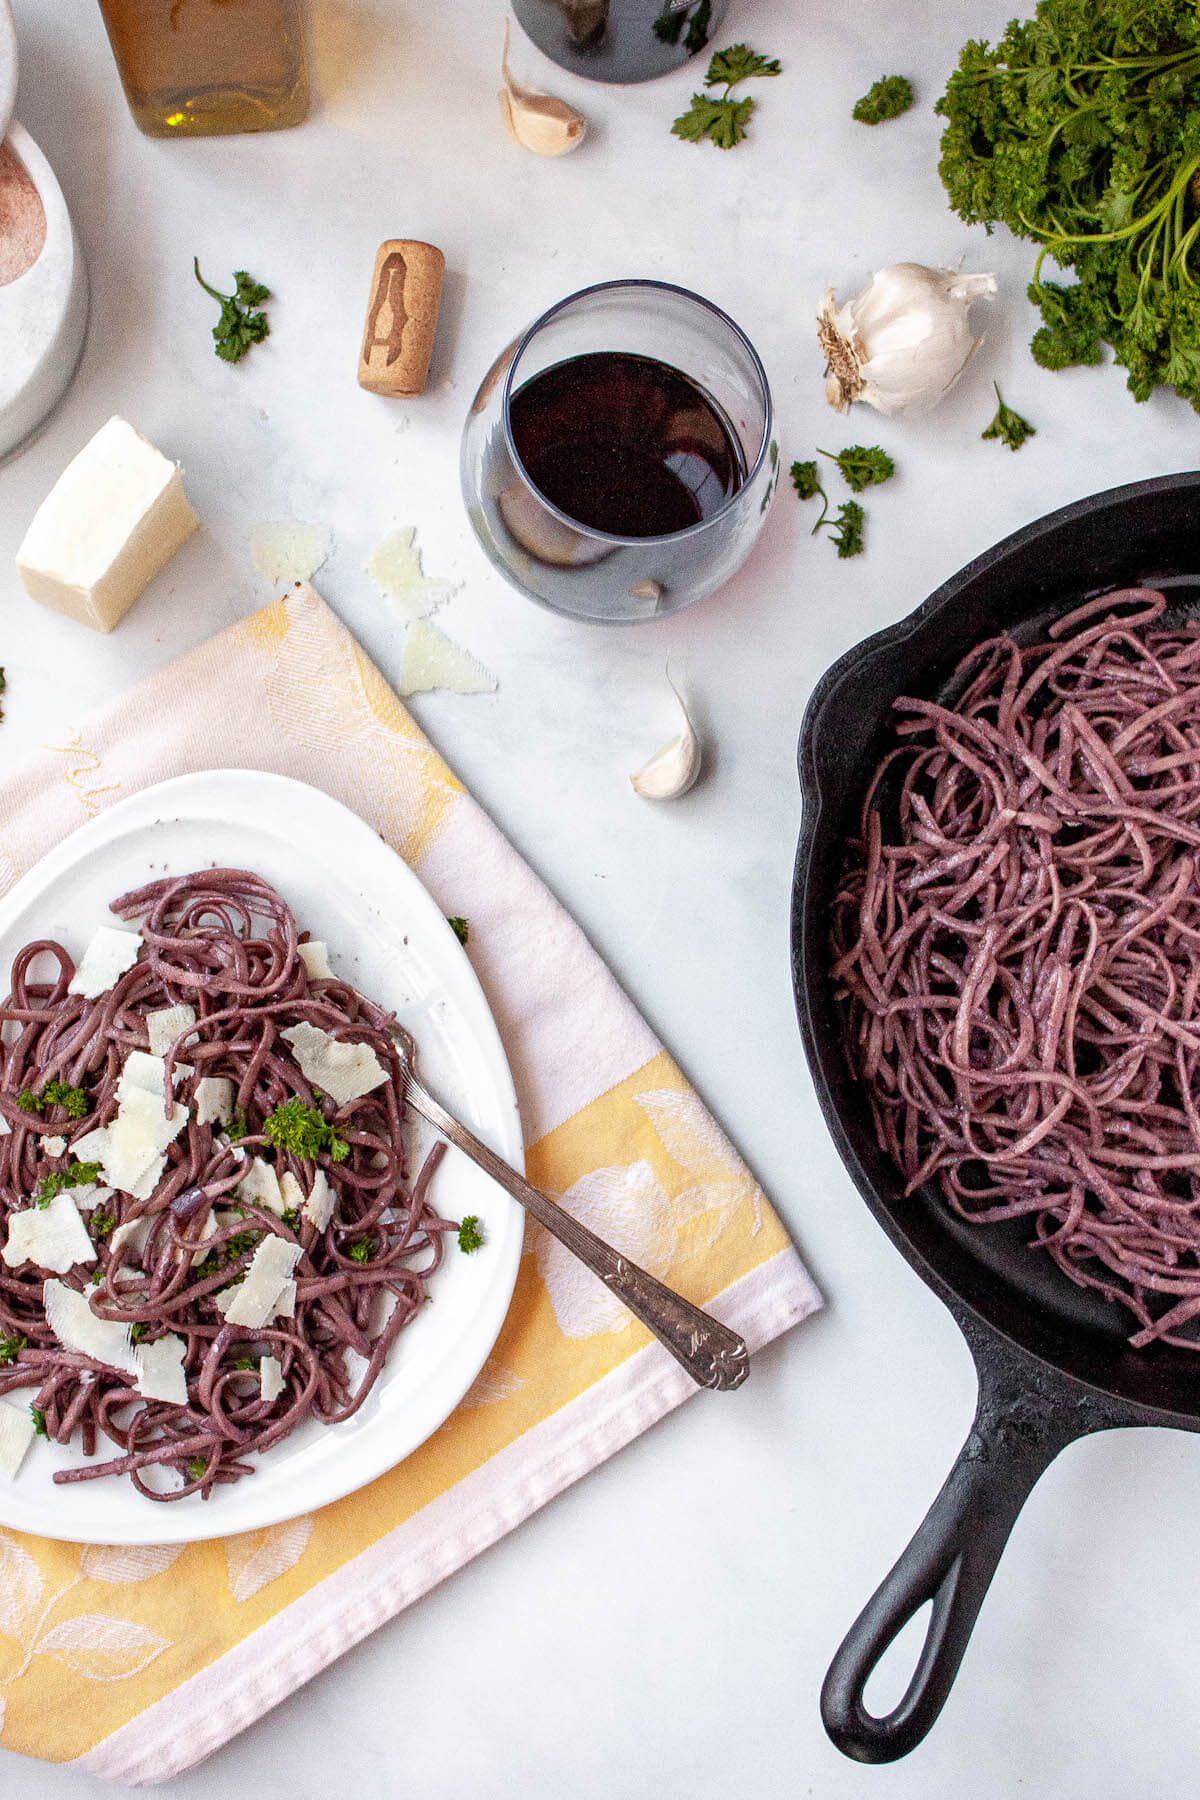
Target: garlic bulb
540 123
904 341
672 770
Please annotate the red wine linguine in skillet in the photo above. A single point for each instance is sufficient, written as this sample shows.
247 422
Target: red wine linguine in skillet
1016 947
208 1233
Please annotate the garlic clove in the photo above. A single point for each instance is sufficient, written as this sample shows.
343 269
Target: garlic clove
538 122
902 343
672 770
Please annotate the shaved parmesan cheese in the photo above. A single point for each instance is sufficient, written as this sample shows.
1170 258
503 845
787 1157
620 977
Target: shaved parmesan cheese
142 1070
214 1100
134 1233
343 1071
55 1146
53 1237
319 1205
169 1023
17 1432
315 957
292 1192
270 1375
432 660
255 1299
89 1195
160 1373
5 1127
105 960
91 1147
285 1305
76 1327
260 1186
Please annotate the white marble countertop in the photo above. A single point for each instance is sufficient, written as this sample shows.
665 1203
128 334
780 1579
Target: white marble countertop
664 1627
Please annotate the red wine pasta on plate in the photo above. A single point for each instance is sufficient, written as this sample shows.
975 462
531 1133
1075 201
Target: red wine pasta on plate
1017 950
208 1231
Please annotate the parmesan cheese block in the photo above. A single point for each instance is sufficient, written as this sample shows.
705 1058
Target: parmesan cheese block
105 960
76 1327
166 1025
319 1205
160 1374
17 1432
260 1187
214 1100
342 1070
52 1237
270 1375
114 517
253 1302
54 1146
315 957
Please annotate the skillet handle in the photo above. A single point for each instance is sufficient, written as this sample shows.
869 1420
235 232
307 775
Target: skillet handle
1017 1433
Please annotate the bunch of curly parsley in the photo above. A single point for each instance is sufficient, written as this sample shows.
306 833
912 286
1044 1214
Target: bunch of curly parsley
1080 129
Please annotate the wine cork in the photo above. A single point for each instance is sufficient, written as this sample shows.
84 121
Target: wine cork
406 291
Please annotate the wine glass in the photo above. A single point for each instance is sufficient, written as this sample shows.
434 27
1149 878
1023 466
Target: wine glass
618 459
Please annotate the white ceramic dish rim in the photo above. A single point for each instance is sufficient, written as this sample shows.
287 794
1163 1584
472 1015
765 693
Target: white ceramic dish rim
239 801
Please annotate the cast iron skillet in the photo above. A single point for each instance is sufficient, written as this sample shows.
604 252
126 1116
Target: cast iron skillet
1052 1360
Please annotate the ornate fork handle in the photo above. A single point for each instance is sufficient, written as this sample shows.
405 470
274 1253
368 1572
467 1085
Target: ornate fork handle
713 1355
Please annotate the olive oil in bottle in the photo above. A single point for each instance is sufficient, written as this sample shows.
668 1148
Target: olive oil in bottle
200 68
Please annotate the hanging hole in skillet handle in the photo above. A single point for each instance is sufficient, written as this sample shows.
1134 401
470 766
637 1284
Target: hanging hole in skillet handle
948 1566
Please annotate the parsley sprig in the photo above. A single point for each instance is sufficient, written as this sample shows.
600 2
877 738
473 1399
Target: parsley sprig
719 117
11 1348
1079 129
1008 425
241 323
861 466
55 1093
470 1234
885 99
304 1132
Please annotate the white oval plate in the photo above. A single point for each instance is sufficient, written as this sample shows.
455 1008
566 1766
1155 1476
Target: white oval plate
389 938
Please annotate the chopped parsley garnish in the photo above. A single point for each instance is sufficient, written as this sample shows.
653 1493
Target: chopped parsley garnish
61 1093
240 326
361 1252
39 1421
847 529
228 1252
291 1219
79 1174
461 929
1008 425
249 1363
238 1126
862 465
720 118
28 1101
103 1222
470 1234
11 1348
137 1331
198 1468
885 99
302 1130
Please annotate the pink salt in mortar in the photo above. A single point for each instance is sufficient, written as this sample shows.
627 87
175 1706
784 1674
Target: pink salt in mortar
22 218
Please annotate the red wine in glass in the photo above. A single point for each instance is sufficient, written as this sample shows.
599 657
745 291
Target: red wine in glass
626 444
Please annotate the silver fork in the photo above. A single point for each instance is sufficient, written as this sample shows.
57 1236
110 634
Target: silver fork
713 1355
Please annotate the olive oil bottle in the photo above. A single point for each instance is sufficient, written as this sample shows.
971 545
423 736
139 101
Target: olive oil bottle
200 68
